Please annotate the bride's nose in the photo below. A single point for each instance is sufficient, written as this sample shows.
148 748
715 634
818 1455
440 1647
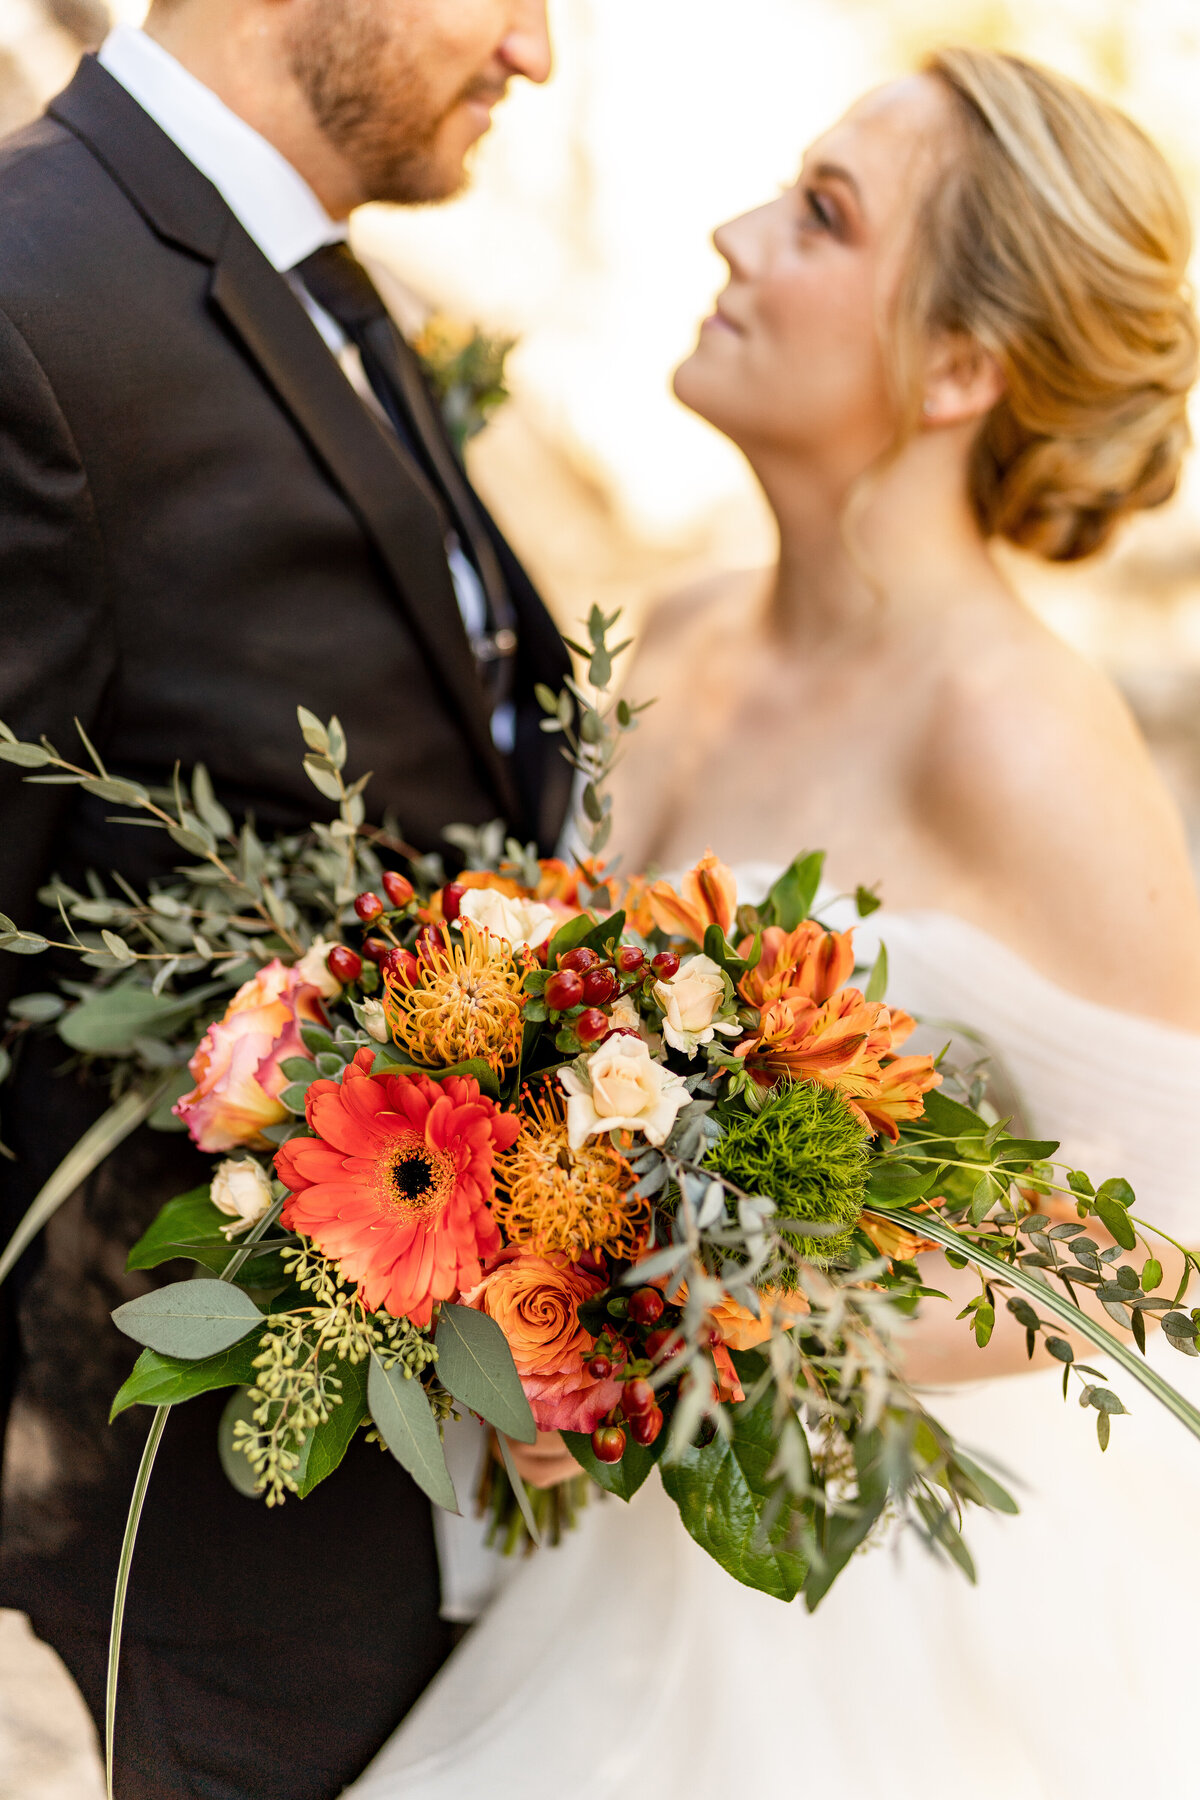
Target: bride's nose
736 240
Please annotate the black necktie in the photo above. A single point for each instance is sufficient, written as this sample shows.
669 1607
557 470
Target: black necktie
338 282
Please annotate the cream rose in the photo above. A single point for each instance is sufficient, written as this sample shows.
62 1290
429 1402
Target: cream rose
520 922
691 1000
629 1092
243 1191
314 969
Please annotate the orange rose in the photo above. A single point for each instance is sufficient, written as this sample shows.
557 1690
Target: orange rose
237 1067
535 1300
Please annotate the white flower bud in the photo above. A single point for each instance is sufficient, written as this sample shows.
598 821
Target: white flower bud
243 1190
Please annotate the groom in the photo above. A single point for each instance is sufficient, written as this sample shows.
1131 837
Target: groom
224 490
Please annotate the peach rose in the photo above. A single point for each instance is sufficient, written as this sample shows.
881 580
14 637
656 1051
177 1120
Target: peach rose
535 1302
237 1067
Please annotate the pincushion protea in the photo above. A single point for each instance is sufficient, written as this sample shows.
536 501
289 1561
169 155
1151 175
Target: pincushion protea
396 1185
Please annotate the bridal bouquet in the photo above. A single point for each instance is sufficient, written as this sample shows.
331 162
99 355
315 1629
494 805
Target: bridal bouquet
569 1150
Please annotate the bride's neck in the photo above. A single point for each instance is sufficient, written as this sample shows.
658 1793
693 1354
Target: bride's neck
903 538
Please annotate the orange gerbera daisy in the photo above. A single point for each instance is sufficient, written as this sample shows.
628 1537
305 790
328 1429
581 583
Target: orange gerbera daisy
552 1197
809 963
396 1185
466 1002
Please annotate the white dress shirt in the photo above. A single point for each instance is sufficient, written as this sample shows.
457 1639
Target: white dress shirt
277 209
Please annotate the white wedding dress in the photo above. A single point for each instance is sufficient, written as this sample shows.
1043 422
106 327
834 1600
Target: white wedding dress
626 1662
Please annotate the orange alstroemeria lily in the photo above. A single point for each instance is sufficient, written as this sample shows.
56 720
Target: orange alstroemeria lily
903 1083
709 897
847 1044
809 963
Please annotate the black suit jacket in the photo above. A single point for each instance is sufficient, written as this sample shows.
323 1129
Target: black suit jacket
201 525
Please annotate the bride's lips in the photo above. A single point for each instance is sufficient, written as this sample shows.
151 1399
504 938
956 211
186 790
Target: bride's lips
720 321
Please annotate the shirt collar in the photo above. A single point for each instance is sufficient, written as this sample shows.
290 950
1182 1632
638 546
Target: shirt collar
270 199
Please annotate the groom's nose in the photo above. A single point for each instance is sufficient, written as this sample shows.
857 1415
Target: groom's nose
525 48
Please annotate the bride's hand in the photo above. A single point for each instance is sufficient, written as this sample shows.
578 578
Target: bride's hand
546 1463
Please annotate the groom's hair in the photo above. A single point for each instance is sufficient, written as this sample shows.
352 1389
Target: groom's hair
1059 240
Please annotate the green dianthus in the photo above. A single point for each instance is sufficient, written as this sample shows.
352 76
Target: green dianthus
807 1152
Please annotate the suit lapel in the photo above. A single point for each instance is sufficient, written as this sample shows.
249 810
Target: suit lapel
376 478
378 481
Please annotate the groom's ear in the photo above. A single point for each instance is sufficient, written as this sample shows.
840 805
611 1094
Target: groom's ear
963 381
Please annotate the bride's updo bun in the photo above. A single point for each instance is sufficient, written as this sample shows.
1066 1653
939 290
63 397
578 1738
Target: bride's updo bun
1059 240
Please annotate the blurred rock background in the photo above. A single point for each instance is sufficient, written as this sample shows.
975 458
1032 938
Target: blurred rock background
586 236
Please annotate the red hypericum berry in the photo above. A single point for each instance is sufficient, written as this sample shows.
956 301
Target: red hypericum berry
564 990
402 966
375 949
592 1025
645 1427
580 960
608 1443
637 1396
344 964
714 1337
657 1341
369 907
452 899
599 1368
630 959
398 890
665 964
599 986
646 1306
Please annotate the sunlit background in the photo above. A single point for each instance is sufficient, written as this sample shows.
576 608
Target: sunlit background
586 236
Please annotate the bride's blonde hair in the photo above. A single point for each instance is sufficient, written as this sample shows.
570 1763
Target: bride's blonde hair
1058 239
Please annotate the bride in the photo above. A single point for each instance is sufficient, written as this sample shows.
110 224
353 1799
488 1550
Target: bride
967 321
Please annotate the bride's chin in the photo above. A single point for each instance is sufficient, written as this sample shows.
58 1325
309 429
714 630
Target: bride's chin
690 387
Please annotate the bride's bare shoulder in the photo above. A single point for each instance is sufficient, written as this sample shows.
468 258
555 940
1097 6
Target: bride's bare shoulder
686 624
1040 783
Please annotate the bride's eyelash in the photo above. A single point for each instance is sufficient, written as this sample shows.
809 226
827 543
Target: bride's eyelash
819 211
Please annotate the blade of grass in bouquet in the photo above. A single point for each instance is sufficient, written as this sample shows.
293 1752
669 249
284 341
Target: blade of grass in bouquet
82 1160
519 1489
134 1517
1067 1314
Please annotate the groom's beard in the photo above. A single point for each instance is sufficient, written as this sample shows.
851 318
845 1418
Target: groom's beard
374 104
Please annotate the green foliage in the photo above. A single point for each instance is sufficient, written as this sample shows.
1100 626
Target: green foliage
404 1419
722 1490
623 1478
475 1365
169 1380
807 1152
190 1319
327 1443
790 901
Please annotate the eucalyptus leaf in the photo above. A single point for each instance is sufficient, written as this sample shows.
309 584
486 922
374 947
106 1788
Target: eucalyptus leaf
475 1364
404 1418
238 1470
190 1319
108 1022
